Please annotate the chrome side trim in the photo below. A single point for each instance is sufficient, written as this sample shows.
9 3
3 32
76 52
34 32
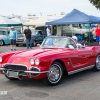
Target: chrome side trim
81 69
71 62
36 72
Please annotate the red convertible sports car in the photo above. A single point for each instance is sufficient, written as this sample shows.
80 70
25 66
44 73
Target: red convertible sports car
50 61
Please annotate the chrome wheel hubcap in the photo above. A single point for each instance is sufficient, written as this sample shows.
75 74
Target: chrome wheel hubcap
55 73
98 62
34 44
1 42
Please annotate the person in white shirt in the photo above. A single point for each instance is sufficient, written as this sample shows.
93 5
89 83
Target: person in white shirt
48 31
94 31
79 46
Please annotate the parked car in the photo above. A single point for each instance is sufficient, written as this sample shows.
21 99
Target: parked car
4 38
50 61
37 37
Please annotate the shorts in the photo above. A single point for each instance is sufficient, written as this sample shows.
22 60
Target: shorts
13 42
98 38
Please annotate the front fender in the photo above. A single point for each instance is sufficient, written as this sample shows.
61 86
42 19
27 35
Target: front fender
6 56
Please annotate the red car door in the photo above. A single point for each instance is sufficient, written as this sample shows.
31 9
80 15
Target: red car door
74 58
85 57
73 54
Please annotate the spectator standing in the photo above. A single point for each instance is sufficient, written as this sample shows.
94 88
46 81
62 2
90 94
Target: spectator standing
97 31
28 37
48 30
13 37
94 31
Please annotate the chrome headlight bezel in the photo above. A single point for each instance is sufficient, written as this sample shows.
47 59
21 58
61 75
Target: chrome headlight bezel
37 61
32 61
0 59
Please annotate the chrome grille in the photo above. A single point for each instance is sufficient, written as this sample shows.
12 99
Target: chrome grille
20 40
15 67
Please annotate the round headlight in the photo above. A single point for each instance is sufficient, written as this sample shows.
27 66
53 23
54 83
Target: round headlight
0 59
37 61
32 61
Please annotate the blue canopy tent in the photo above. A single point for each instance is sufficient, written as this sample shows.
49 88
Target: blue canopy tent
95 17
75 17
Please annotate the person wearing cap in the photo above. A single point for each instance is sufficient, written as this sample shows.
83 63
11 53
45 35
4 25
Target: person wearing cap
13 37
79 46
28 37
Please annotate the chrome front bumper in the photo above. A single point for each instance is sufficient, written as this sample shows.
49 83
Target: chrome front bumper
36 72
31 72
2 68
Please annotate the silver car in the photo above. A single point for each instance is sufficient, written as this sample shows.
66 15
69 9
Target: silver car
37 37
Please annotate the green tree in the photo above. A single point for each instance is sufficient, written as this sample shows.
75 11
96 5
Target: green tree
96 3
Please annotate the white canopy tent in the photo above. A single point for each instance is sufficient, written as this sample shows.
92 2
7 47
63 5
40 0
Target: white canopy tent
19 20
5 22
37 22
5 25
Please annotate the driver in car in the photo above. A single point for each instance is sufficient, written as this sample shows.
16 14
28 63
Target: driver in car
79 46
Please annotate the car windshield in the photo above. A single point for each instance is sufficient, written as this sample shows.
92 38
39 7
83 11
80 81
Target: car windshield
34 32
58 42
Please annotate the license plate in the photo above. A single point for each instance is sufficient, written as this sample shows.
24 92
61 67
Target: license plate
13 74
20 40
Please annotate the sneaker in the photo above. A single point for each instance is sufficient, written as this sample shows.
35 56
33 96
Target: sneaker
14 49
11 49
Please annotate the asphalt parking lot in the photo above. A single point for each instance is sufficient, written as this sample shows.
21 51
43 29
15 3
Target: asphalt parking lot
81 86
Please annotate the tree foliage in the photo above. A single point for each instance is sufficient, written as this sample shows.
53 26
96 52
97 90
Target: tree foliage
96 3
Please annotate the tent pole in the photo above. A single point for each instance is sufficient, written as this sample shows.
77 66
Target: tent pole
89 33
22 29
73 31
7 34
61 30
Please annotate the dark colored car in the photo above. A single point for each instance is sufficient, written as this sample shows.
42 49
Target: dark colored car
37 37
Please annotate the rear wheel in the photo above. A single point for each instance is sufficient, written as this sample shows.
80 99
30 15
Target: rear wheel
97 63
55 74
34 43
1 43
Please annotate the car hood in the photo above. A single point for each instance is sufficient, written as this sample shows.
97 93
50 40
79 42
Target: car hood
38 52
25 56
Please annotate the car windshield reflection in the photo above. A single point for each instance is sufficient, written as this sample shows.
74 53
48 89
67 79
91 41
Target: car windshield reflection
34 33
58 42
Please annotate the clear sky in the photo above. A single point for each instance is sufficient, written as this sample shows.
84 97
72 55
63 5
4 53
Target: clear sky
23 7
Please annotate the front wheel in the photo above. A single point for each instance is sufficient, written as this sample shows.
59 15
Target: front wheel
55 74
97 63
